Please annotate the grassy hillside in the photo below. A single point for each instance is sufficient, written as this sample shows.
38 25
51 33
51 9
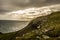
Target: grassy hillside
49 26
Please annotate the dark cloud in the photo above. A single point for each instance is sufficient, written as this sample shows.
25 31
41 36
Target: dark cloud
23 3
10 5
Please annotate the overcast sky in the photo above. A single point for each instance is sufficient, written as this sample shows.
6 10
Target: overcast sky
35 2
10 5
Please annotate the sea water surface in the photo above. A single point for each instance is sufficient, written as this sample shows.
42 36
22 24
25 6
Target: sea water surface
7 26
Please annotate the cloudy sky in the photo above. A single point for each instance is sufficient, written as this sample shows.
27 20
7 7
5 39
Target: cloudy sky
10 5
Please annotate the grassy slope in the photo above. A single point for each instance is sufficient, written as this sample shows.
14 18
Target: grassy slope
53 20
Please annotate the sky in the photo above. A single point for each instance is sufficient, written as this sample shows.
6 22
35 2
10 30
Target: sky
11 5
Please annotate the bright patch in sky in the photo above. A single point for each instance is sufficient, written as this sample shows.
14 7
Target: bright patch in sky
30 13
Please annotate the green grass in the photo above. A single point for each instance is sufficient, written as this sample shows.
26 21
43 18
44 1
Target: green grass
52 20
